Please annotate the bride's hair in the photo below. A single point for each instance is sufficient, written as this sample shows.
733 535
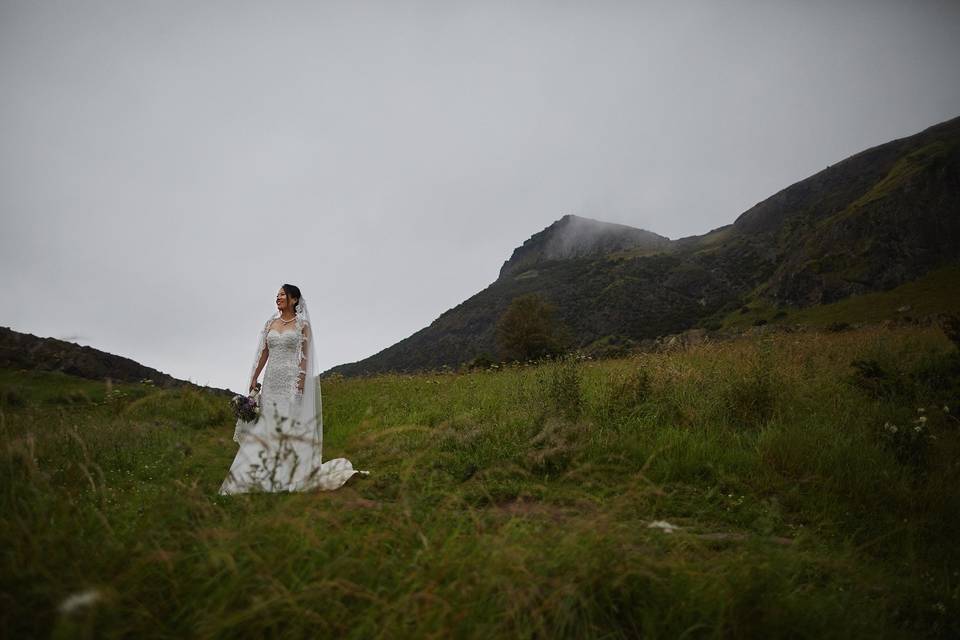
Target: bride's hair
292 291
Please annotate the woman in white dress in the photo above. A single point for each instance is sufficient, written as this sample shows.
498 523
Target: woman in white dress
281 449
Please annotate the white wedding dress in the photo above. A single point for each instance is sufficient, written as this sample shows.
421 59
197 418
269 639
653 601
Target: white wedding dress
276 452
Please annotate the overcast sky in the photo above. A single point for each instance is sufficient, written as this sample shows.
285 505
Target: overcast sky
166 166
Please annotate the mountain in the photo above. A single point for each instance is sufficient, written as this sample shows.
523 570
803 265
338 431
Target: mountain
575 237
875 220
27 351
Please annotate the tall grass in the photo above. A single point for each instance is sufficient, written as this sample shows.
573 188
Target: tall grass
515 502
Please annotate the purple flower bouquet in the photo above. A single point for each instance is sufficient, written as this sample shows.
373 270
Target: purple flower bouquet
246 408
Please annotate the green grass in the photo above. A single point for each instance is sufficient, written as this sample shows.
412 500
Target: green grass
513 503
53 388
901 173
748 314
932 294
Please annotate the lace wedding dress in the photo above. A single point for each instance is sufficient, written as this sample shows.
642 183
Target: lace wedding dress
280 451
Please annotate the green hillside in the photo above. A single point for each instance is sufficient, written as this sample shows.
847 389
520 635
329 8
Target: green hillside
800 485
876 220
932 294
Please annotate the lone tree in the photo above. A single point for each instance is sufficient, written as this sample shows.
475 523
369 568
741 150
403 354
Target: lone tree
527 330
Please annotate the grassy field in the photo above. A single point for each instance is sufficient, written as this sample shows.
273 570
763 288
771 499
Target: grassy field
800 485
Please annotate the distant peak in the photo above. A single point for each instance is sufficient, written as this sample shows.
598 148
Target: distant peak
574 236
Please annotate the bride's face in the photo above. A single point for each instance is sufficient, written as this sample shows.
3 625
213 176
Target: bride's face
284 303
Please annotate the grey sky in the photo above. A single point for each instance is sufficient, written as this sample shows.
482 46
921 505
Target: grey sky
166 166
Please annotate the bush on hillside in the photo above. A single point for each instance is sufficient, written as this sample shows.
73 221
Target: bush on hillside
527 330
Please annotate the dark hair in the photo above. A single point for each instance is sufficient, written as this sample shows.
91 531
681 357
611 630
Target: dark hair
292 291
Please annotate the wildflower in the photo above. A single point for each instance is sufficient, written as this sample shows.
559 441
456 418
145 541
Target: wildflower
892 428
921 410
921 419
946 409
78 600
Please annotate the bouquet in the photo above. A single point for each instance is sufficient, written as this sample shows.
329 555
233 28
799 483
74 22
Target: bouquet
246 408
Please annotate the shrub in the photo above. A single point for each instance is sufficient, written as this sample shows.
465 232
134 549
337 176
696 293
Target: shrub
527 330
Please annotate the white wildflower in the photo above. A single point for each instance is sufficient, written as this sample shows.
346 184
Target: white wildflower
78 600
892 428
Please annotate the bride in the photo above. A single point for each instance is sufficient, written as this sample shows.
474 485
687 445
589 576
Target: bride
280 450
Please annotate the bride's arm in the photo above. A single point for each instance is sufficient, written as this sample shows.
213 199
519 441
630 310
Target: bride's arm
264 354
263 361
